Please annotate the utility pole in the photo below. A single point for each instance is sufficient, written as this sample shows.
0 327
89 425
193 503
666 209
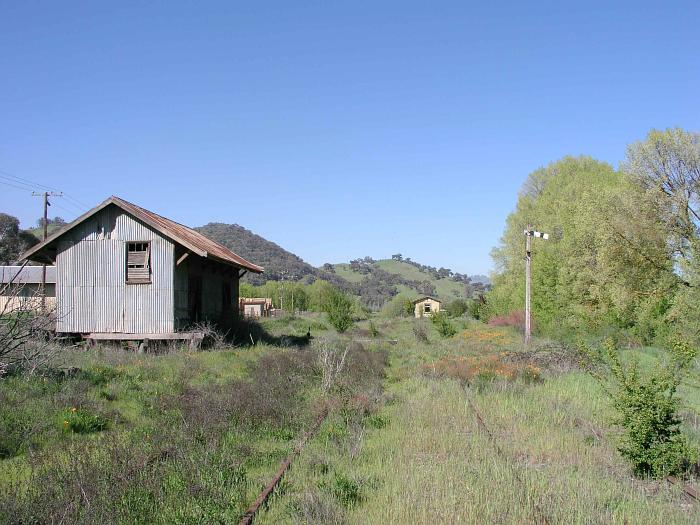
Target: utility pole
529 234
46 196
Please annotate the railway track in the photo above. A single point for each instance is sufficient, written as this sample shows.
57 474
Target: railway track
250 514
539 515
688 490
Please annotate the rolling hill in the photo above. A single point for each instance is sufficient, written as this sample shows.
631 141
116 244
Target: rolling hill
375 282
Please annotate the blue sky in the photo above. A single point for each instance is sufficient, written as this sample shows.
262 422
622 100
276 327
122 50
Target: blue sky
337 131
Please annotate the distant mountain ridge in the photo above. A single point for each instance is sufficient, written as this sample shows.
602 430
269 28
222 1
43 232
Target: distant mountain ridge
375 281
278 262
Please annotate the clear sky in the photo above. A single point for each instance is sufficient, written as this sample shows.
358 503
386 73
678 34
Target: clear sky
337 131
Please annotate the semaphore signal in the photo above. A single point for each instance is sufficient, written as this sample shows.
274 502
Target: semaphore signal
529 234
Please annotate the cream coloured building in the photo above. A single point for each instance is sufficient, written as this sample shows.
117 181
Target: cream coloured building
426 306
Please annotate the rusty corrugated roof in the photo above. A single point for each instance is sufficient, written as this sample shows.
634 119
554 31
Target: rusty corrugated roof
177 232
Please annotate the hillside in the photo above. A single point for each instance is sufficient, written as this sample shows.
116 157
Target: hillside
278 263
409 277
375 282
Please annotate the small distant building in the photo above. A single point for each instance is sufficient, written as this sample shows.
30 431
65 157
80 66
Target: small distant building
426 306
255 306
23 285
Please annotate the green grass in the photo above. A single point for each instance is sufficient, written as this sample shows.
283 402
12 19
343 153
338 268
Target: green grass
150 435
552 457
194 436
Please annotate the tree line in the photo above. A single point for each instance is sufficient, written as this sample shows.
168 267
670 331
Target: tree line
623 249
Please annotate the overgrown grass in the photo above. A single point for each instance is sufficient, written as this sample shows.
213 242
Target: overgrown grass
193 437
419 455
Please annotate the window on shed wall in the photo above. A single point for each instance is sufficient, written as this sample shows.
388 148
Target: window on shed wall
138 262
426 308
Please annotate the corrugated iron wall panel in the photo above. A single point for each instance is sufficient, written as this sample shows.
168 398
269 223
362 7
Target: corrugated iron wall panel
92 293
64 263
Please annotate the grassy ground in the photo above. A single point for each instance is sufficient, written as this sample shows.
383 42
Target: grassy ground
192 437
422 458
184 437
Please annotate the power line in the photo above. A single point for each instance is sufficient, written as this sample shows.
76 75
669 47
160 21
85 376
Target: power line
8 179
27 181
13 186
76 210
72 212
34 185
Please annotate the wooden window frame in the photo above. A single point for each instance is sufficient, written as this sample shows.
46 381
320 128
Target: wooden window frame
138 280
427 308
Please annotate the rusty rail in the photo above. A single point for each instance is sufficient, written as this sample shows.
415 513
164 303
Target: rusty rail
688 490
540 517
249 515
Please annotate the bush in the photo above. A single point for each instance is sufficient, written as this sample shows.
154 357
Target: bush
457 308
647 409
346 490
15 430
443 325
399 306
373 330
339 309
81 421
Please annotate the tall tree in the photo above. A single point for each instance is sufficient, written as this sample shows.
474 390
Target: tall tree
585 276
13 240
667 166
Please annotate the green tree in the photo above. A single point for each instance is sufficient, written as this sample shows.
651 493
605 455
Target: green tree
606 254
13 241
667 166
338 308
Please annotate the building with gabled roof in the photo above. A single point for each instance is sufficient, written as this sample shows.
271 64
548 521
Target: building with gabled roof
426 306
124 272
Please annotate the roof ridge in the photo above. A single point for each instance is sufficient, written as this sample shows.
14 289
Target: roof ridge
197 242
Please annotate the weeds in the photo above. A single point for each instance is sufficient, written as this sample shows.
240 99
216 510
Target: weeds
420 331
515 319
80 421
482 369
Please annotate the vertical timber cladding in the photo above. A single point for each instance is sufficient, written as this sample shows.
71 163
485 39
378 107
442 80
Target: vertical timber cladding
91 291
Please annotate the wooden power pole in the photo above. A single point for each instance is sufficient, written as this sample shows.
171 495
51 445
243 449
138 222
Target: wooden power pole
529 234
46 196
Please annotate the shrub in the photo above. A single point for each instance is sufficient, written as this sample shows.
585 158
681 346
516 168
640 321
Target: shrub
100 375
81 421
339 309
443 325
346 490
15 430
647 409
399 306
457 308
373 330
